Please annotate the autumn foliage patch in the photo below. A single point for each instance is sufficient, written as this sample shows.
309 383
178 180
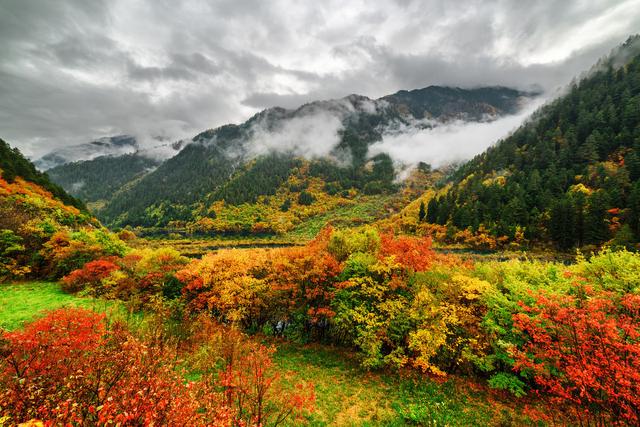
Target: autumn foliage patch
69 368
569 334
585 354
72 368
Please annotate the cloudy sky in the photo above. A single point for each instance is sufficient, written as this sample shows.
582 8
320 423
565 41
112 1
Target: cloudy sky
75 70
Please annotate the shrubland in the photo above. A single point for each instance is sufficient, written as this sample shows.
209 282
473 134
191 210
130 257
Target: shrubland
566 333
76 367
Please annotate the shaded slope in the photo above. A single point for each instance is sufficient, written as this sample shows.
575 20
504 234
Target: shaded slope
100 178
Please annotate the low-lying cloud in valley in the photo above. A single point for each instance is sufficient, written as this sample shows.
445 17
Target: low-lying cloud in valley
450 142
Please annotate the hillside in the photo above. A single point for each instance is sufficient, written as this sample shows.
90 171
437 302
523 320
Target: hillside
570 175
43 230
280 166
98 179
14 165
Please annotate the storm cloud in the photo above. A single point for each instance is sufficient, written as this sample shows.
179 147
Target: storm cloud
74 71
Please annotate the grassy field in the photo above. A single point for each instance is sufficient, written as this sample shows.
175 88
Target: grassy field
367 210
22 302
346 394
349 396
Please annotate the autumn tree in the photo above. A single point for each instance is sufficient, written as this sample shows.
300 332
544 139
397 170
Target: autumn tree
584 353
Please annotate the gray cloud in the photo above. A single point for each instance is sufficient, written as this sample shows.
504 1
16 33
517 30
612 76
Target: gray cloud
73 71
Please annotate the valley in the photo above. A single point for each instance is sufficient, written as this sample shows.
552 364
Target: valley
287 270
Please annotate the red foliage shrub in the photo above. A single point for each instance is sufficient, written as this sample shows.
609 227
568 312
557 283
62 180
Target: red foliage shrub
412 252
585 353
91 274
69 369
244 378
252 387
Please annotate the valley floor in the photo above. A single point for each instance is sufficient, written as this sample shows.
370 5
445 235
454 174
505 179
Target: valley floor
346 394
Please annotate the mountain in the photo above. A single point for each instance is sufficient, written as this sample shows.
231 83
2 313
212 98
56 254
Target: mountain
455 103
98 179
277 155
107 146
570 175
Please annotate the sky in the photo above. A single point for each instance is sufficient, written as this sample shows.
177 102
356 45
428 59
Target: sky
76 70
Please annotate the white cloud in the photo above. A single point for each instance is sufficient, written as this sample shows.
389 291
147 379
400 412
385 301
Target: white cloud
310 136
449 143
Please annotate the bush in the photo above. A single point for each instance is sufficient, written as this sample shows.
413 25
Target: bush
305 198
136 384
67 251
11 248
172 287
585 354
90 275
139 275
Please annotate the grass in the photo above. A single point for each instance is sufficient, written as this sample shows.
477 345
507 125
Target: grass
22 302
350 396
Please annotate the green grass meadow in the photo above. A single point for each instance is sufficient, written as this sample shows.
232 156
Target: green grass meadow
23 302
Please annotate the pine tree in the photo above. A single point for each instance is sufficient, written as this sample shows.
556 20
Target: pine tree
596 230
432 211
421 213
561 224
634 210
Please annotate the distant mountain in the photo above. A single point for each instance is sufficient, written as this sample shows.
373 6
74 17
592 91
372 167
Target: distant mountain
570 175
99 179
455 103
322 140
107 146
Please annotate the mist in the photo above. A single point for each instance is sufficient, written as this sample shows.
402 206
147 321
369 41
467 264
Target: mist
311 131
448 143
309 136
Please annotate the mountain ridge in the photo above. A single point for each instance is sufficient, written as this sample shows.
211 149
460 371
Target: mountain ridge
334 135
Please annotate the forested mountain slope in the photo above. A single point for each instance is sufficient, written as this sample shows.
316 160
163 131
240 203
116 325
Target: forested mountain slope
43 230
570 175
98 179
13 165
263 157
